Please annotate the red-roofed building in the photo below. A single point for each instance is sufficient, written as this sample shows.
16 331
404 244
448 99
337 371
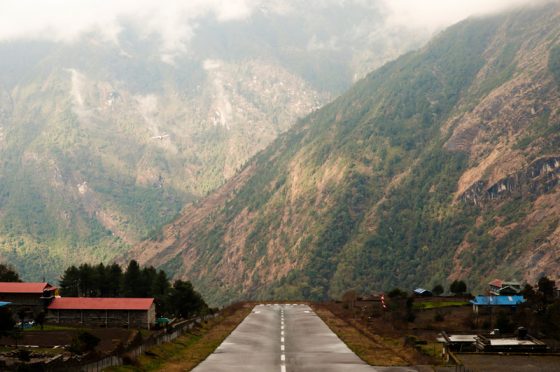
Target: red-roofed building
33 297
101 311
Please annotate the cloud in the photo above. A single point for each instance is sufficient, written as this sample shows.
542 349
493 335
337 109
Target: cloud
437 14
62 20
175 21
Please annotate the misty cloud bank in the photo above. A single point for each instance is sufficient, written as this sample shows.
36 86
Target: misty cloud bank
176 21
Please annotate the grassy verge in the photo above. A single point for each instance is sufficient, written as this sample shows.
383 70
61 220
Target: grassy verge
372 349
438 304
187 351
50 327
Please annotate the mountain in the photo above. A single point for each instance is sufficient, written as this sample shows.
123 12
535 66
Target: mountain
104 141
441 165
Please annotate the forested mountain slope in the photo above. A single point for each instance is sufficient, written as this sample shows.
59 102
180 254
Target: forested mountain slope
443 164
104 141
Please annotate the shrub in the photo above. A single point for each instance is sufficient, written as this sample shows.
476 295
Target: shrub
83 343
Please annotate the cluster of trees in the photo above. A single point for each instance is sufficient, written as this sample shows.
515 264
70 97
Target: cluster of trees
8 274
178 298
457 287
541 312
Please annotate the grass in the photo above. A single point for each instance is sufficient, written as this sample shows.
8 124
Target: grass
438 304
432 349
187 351
49 327
374 350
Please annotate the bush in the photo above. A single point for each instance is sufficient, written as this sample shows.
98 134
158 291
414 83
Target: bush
24 355
438 290
458 287
83 343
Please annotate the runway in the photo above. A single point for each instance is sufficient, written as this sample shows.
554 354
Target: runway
285 338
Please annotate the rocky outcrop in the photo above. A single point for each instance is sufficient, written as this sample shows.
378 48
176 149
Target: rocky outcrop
539 178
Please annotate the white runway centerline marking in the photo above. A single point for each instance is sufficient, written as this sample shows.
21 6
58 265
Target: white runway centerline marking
282 340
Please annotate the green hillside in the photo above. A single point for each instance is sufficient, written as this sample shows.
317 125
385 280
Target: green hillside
103 142
440 165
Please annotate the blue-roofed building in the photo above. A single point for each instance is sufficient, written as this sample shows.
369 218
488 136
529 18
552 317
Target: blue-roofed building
481 303
3 303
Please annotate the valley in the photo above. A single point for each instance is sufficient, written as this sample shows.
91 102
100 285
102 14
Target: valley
104 141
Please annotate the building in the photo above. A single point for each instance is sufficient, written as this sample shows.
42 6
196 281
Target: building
484 304
103 312
493 343
526 344
421 292
457 343
498 287
31 297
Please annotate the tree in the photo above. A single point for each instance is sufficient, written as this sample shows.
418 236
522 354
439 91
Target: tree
7 321
185 301
147 278
87 280
160 290
438 290
115 277
40 319
102 281
8 274
503 322
132 280
546 287
458 287
70 282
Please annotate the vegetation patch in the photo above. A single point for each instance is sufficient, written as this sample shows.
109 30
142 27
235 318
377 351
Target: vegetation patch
438 304
187 351
374 351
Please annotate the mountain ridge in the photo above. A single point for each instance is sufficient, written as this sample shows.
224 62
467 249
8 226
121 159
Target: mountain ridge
368 192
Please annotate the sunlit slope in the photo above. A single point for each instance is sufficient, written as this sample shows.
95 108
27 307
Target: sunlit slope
440 165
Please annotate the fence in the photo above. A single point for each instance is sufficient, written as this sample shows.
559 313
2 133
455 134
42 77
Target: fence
131 353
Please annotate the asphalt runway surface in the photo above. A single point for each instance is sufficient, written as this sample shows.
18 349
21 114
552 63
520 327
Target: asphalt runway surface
285 338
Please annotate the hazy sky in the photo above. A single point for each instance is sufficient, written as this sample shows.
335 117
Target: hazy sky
175 21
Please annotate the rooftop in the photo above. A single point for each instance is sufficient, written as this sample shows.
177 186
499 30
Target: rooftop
498 300
511 341
457 338
496 283
100 303
17 287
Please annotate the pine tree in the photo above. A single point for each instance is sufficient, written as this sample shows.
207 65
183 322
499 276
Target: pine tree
132 280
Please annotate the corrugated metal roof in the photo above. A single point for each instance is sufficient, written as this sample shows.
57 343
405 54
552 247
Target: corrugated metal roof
496 283
420 290
15 287
100 303
498 300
